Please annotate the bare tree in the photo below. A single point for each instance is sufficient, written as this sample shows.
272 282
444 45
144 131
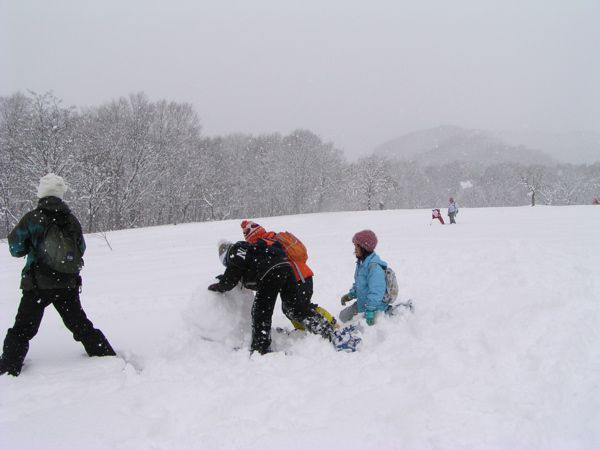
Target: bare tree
372 179
133 162
14 111
533 179
48 143
36 137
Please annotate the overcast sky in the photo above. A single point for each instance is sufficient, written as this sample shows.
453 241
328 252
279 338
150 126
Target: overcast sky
355 73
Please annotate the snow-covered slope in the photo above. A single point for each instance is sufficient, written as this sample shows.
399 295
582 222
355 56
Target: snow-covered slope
503 350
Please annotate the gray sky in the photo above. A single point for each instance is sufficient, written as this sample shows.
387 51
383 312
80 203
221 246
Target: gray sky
356 73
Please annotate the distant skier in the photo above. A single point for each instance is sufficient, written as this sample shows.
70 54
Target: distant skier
265 269
452 210
51 238
369 280
436 214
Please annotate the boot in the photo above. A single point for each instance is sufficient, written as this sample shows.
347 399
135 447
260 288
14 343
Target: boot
14 351
10 369
317 324
96 344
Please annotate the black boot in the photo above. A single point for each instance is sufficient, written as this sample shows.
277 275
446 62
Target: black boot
318 324
6 368
96 344
14 351
261 341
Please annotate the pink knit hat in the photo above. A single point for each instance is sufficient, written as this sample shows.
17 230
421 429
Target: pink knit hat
365 239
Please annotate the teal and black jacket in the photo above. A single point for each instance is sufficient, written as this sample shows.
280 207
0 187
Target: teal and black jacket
27 235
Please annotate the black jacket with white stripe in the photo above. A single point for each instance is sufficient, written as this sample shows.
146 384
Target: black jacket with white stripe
250 264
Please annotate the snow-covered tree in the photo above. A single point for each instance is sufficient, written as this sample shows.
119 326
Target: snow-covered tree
135 162
36 137
14 119
371 180
533 179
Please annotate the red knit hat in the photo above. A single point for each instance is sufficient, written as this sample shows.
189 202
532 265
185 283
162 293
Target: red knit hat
365 239
252 231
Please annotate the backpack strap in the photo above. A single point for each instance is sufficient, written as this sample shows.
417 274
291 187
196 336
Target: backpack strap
297 270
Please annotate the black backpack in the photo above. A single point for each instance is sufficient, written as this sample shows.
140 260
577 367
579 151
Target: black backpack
59 250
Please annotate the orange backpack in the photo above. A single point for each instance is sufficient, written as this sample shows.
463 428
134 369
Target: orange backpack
294 248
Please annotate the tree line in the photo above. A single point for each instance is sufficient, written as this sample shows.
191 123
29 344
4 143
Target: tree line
133 162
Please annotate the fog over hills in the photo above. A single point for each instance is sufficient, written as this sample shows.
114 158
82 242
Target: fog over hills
576 147
444 144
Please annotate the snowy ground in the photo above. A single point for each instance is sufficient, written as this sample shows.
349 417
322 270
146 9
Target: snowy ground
503 351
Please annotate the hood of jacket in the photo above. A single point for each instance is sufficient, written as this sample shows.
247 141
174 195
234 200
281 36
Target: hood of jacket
55 209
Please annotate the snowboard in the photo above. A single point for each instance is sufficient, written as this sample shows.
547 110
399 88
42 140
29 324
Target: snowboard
346 339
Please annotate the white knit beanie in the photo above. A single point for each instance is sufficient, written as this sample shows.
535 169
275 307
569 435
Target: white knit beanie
51 185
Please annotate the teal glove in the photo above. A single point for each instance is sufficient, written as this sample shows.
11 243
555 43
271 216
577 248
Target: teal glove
370 317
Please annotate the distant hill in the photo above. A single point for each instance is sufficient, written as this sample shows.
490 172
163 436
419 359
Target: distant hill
445 144
578 147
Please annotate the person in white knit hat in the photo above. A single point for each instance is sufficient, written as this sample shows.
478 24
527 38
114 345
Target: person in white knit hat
51 238
52 186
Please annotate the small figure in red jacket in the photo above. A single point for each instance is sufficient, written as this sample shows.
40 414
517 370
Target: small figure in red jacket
436 214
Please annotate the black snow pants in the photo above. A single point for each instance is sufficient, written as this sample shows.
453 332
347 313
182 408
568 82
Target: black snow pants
296 305
28 320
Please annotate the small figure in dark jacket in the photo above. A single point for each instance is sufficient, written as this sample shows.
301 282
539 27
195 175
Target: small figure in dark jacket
266 270
452 210
43 286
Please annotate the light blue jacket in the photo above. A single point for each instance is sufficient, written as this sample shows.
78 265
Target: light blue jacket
369 284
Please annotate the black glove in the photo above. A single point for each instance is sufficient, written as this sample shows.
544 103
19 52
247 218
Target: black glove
215 287
345 299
